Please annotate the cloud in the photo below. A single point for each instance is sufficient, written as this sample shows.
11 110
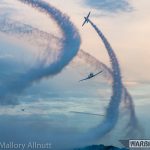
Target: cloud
111 6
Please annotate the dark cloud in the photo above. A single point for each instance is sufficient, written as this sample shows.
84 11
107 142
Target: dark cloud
111 6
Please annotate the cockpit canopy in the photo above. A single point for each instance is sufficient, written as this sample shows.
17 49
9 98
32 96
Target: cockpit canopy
91 74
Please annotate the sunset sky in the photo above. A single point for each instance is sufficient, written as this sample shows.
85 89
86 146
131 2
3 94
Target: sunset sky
50 100
125 24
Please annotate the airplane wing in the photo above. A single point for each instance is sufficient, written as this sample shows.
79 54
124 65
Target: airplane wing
97 73
84 79
83 23
88 14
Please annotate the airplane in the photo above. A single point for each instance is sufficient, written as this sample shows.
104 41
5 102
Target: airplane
23 109
86 113
91 75
86 19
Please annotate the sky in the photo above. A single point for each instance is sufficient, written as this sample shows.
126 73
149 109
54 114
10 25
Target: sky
126 25
118 20
50 101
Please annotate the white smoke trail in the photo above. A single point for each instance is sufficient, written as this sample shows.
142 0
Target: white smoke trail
71 43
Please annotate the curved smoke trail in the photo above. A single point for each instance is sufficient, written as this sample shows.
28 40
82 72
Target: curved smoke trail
112 112
29 33
18 29
71 44
48 42
69 31
12 27
133 123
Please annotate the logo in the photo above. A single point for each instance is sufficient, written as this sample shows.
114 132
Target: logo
139 143
136 143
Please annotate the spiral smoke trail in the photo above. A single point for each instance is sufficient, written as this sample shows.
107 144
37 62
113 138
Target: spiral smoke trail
112 110
70 33
71 43
29 33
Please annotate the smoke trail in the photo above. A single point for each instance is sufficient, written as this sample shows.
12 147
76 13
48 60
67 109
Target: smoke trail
50 43
113 78
133 124
12 27
30 33
71 41
71 44
112 112
118 89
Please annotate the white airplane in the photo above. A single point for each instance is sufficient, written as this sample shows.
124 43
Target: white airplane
91 75
86 19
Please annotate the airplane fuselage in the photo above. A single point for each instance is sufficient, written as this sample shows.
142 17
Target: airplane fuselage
86 19
91 75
